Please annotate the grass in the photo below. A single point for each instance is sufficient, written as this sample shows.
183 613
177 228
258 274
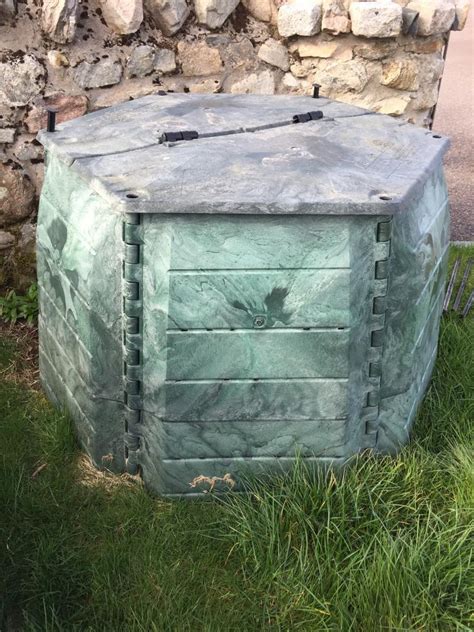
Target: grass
385 546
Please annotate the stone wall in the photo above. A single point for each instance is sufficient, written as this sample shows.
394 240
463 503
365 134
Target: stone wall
80 56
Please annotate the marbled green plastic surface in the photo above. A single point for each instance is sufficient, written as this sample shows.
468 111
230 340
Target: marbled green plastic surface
219 344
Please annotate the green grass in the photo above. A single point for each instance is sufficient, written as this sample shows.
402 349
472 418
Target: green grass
385 546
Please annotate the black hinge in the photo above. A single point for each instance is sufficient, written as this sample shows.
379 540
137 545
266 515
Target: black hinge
309 116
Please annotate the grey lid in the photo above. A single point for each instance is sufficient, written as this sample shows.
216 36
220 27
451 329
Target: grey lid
351 161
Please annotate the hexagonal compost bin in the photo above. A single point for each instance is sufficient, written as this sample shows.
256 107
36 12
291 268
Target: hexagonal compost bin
222 287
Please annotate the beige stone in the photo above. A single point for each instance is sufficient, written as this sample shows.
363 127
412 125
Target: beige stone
375 49
69 107
58 19
213 13
57 59
462 11
122 16
16 194
317 47
376 19
300 17
394 106
199 59
274 53
401 74
335 18
264 10
435 16
131 89
254 83
299 70
291 84
168 15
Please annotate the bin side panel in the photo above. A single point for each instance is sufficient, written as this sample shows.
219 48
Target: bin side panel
80 328
419 257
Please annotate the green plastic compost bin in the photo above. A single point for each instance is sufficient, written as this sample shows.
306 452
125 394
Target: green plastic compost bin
227 281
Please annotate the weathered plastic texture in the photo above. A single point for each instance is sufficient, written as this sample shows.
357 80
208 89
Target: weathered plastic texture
190 345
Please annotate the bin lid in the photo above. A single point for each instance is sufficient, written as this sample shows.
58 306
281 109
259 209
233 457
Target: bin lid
248 154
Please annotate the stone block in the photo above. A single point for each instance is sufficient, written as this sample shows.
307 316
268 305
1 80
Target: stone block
21 79
376 19
335 17
199 59
434 16
394 106
401 74
141 61
69 107
213 13
275 54
168 15
98 74
7 134
262 82
122 16
337 77
300 17
264 10
375 49
58 19
165 61
462 11
8 10
57 59
7 240
17 194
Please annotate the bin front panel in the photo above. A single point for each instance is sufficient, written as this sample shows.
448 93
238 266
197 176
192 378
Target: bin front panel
250 329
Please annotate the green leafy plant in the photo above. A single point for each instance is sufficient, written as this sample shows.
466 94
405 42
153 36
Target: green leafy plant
15 306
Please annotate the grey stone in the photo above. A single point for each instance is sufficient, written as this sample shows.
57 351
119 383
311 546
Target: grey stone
462 11
21 80
213 13
165 61
376 19
58 19
141 61
300 17
103 72
168 15
275 54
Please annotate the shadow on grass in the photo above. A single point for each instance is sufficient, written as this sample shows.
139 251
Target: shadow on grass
384 546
